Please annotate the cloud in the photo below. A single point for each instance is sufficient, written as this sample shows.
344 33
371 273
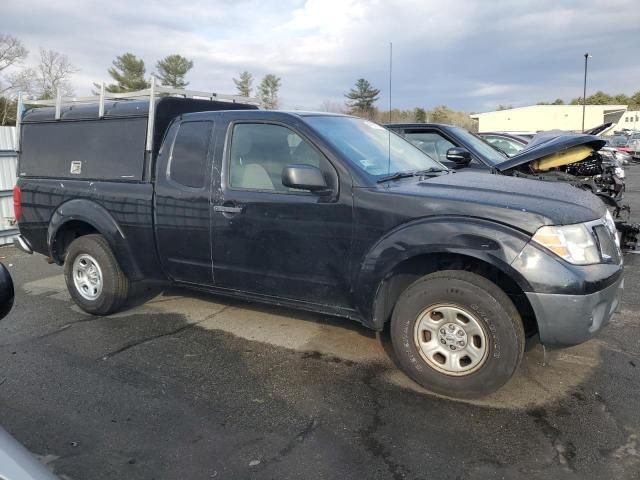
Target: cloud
494 89
466 54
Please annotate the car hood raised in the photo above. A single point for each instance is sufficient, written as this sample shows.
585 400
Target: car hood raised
549 143
522 203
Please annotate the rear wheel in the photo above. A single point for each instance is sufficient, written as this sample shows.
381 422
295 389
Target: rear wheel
457 333
95 280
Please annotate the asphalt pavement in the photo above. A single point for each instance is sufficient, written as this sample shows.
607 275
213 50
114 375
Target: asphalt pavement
189 386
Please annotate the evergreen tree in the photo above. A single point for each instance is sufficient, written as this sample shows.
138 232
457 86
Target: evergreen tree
268 90
128 71
362 97
244 84
420 115
172 69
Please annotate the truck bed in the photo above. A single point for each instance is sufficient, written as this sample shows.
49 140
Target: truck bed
130 205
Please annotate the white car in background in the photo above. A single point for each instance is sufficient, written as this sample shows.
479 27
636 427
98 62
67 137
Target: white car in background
634 145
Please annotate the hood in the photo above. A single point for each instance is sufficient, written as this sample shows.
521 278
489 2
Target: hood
600 129
521 203
555 148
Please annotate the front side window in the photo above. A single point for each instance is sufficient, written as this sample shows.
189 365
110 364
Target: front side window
189 154
484 149
259 152
431 143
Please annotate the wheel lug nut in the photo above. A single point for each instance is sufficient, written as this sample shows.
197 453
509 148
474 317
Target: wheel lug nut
461 343
443 331
443 341
460 333
452 347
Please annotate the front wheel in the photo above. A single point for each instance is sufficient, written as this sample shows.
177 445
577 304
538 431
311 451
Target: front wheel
457 333
94 279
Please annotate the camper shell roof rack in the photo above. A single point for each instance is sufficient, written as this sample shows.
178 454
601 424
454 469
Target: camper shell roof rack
153 93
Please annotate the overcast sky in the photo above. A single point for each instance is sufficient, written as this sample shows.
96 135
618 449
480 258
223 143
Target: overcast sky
469 55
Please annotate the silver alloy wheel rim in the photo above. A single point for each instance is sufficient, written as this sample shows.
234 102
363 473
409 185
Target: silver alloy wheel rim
87 277
451 340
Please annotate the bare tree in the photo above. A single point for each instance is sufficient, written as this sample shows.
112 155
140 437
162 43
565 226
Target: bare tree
12 51
52 74
12 54
332 107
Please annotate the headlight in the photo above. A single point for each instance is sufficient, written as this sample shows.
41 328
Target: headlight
619 171
574 243
611 225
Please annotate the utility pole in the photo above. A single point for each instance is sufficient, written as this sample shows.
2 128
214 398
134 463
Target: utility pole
584 90
390 72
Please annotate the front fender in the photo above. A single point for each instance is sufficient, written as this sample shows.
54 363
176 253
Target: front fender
491 242
100 219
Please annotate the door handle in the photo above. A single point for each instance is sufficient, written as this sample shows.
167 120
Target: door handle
225 209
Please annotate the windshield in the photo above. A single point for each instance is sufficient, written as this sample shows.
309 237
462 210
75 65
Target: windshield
366 145
484 149
504 144
618 141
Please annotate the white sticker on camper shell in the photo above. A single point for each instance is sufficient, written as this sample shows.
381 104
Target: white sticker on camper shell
76 168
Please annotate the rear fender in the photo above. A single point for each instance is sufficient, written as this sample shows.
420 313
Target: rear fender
100 219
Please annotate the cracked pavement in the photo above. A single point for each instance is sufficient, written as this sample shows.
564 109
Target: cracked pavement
191 386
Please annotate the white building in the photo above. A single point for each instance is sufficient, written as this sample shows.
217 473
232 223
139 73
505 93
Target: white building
548 117
630 120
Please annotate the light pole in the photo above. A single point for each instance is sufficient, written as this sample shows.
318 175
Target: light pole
584 90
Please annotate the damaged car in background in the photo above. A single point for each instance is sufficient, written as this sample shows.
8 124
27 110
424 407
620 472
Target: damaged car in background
554 156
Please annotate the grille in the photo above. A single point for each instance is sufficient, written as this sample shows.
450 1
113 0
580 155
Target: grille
607 243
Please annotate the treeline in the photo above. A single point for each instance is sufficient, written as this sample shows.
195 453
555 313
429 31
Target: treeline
361 101
602 98
52 73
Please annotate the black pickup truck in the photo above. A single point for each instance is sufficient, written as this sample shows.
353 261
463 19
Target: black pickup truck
322 212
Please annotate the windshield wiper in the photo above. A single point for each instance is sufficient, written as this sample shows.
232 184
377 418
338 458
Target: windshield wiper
501 151
410 173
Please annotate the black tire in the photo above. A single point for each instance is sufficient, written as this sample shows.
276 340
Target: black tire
115 285
491 309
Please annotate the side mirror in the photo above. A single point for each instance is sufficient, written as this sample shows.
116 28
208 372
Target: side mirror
460 156
303 177
6 291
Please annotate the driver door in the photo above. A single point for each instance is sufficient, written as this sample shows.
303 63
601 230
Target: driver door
273 240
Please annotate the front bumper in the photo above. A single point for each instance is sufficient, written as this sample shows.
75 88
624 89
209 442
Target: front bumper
565 320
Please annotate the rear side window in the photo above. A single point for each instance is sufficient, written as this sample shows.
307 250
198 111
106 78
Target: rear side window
189 154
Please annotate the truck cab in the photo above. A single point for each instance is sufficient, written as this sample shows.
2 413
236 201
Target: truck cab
323 212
